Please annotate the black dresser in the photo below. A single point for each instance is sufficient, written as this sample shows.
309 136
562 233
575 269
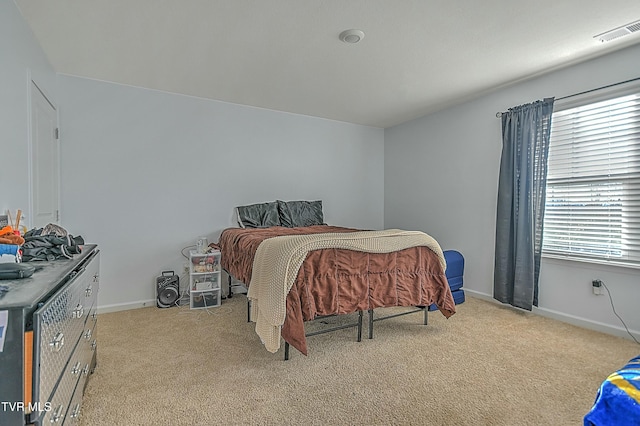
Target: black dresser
48 344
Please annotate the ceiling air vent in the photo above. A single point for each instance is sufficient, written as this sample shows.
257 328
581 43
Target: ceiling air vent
618 32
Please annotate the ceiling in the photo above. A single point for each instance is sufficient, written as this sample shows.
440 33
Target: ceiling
417 56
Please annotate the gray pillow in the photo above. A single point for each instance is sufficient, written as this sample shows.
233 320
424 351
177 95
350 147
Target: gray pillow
261 215
300 213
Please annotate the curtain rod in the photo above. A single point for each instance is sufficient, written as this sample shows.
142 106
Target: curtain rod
499 114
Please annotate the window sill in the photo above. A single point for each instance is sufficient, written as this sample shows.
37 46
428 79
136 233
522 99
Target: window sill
592 262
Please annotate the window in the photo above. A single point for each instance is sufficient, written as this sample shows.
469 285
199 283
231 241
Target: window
592 209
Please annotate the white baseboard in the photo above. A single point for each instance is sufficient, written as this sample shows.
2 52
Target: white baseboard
478 295
560 316
238 288
126 306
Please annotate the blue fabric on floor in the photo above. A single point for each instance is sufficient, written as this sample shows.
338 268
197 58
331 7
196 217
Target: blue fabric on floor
618 399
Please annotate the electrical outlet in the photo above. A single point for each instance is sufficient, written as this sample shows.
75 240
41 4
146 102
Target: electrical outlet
597 285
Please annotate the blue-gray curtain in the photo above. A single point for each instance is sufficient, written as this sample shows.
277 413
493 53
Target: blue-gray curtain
526 130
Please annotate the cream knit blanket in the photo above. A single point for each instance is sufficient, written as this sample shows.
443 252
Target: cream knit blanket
278 260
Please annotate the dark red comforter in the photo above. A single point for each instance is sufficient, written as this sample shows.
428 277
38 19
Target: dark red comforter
339 281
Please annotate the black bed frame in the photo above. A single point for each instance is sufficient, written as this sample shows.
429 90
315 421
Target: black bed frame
358 324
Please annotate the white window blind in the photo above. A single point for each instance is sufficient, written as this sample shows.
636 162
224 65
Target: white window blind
592 209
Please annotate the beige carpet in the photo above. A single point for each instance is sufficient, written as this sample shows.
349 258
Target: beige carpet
486 365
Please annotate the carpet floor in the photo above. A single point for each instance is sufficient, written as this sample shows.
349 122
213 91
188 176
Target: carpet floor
486 365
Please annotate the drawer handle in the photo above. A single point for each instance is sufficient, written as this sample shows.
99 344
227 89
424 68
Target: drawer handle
76 369
85 370
94 315
57 415
78 312
87 334
76 411
93 345
57 342
88 291
96 277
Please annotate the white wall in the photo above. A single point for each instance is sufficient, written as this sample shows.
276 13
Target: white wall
22 59
441 176
144 173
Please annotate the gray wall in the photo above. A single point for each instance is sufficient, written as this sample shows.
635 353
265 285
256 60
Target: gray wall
441 176
144 173
22 59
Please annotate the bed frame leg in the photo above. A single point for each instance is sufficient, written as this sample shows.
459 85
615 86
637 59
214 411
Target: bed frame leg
286 351
248 310
230 290
359 326
426 315
370 323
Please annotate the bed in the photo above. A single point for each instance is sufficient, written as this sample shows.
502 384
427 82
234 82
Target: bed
330 279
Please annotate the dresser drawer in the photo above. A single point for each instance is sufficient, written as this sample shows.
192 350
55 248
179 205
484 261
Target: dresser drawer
92 284
64 389
86 348
67 397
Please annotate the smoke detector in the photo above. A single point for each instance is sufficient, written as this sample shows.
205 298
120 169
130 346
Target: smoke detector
351 36
618 32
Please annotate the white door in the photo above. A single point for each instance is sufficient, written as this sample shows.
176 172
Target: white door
45 161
